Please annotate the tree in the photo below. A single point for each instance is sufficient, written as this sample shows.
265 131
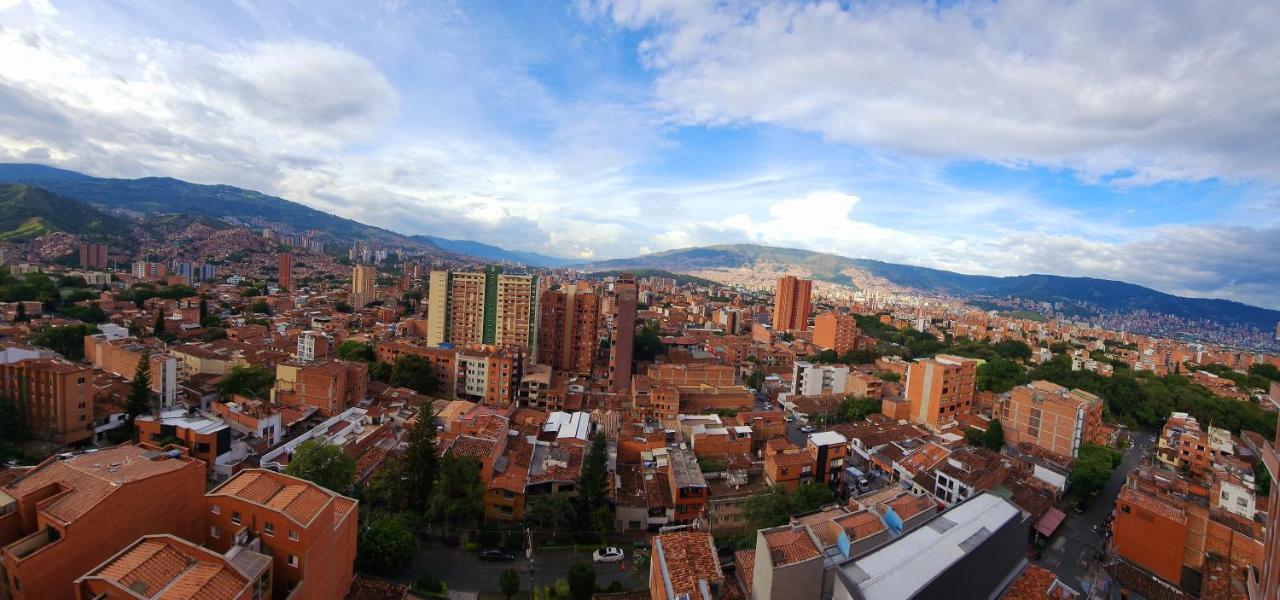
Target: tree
140 399
859 357
1092 469
20 314
421 462
67 340
994 437
158 329
204 308
767 510
582 580
509 581
550 513
380 371
811 496
458 496
1000 375
413 372
355 350
252 382
386 546
323 464
211 321
260 306
1013 349
647 344
593 489
856 409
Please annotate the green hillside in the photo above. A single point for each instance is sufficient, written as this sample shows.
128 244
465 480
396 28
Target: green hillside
27 212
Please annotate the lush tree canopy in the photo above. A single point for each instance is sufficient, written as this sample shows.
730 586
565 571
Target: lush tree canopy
323 464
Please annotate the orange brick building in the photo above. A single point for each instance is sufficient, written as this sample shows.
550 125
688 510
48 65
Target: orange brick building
1052 417
1150 533
693 374
786 465
331 386
835 331
56 398
66 516
309 531
792 302
941 388
569 330
165 566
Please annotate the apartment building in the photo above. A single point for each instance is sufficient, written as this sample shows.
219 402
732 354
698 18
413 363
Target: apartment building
792 302
941 388
683 566
120 355
488 307
808 379
331 386
166 566
53 396
70 513
693 374
309 531
786 465
364 285
205 438
1051 417
489 376
623 333
93 256
835 331
569 329
286 272
689 489
829 451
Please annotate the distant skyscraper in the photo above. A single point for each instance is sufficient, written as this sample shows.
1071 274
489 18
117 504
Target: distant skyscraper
624 333
791 303
286 272
486 307
364 283
568 329
1278 331
93 256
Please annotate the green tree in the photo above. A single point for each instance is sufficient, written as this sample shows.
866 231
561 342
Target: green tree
260 306
859 357
582 580
509 581
141 399
1000 375
67 340
825 357
1263 477
421 462
356 350
323 464
20 313
458 496
647 344
856 409
994 437
158 329
204 308
380 371
762 511
413 372
811 496
211 321
1013 349
386 546
550 513
1092 469
593 489
252 382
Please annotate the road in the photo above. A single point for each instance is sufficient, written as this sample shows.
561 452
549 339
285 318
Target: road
462 571
1076 542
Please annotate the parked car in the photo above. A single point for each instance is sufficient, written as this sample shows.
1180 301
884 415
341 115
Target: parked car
496 555
806 429
608 554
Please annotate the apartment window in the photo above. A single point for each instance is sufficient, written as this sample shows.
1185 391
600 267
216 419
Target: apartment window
215 509
293 535
1241 502
268 529
214 532
235 517
293 560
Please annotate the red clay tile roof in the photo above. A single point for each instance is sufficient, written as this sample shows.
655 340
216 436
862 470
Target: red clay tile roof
90 477
164 567
790 545
295 498
861 525
688 558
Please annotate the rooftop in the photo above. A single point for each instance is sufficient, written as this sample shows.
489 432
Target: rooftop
688 564
790 544
91 476
297 499
165 566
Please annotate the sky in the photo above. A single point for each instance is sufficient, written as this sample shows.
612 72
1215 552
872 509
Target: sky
1137 141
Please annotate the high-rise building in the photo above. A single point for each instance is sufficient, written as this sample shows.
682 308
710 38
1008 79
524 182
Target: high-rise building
835 331
941 388
625 294
93 256
1052 417
791 303
1266 584
487 307
364 285
286 272
568 329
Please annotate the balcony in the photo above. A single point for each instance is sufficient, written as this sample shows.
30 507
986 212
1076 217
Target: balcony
33 543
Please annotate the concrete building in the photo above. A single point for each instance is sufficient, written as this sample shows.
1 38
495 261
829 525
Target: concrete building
569 330
788 564
286 272
792 302
978 547
829 451
309 531
488 307
312 345
93 256
364 285
331 386
71 513
808 379
53 396
835 331
1051 417
941 388
623 337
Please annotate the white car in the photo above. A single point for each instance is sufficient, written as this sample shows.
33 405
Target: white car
608 555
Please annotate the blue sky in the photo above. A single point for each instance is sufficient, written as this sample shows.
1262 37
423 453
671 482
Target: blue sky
1132 142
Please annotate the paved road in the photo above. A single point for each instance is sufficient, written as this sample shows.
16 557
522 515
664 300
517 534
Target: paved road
1075 544
462 571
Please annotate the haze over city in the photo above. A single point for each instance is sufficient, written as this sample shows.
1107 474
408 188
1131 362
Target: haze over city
1121 142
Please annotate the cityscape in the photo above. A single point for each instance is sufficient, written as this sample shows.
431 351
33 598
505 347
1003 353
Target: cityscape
638 300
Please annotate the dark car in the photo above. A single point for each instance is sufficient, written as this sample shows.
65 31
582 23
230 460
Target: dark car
496 555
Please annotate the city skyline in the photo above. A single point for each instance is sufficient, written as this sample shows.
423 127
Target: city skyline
600 130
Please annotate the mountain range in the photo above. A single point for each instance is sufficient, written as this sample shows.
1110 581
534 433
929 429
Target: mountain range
1095 295
52 199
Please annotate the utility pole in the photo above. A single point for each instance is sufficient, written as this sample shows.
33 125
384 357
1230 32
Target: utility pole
528 553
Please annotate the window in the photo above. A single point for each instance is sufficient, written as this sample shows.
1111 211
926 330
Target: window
215 509
202 448
235 517
293 560
214 532
268 529
293 535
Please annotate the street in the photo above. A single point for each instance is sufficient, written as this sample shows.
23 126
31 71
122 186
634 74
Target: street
1076 542
463 571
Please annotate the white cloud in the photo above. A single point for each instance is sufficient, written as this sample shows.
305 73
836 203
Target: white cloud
1170 91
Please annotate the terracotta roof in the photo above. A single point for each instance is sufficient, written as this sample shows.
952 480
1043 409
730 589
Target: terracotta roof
788 545
861 525
165 567
90 477
687 558
1037 583
908 505
368 588
1152 504
295 498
